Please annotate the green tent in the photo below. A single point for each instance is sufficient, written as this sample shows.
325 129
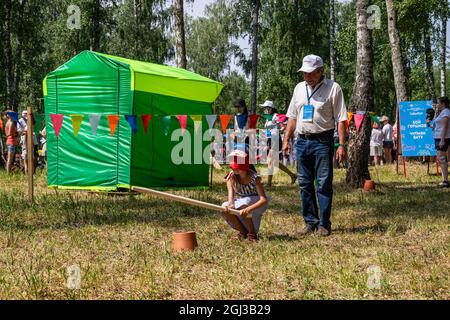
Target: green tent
98 84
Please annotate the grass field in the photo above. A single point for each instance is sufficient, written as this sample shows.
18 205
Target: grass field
122 244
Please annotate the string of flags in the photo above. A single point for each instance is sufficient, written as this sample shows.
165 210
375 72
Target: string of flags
132 120
358 117
113 121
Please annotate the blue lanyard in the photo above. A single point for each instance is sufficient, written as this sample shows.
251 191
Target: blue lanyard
307 92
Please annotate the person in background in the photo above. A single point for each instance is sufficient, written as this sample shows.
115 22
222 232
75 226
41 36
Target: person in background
442 137
11 140
376 144
276 129
388 142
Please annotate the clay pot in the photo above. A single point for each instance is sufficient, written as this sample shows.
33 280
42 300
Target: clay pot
369 185
184 241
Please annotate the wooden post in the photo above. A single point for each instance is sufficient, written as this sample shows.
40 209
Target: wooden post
30 155
404 165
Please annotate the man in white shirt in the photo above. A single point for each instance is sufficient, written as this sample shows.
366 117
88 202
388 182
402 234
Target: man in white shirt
316 105
388 142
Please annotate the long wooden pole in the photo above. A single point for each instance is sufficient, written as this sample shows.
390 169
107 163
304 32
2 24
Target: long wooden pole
30 154
181 199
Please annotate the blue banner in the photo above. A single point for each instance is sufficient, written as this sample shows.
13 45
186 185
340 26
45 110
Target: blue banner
417 137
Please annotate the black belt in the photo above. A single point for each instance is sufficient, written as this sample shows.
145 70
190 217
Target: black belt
324 134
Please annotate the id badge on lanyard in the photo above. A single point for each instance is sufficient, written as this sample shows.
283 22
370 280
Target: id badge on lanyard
308 109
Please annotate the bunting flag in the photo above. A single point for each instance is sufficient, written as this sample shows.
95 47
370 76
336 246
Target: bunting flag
350 116
57 120
182 119
131 119
281 118
197 122
166 124
375 119
211 119
242 120
13 115
113 121
145 121
224 121
94 120
268 117
253 121
38 123
1 123
358 120
76 123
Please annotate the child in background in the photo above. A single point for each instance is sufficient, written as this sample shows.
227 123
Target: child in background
376 144
245 193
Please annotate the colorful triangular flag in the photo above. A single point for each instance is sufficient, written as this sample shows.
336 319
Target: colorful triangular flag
182 119
113 121
57 120
224 121
242 120
131 119
1 123
13 115
197 122
350 116
76 123
166 124
253 121
358 120
268 117
94 120
375 119
211 119
145 121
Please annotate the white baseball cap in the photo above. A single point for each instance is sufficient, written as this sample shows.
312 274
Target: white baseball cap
311 63
268 104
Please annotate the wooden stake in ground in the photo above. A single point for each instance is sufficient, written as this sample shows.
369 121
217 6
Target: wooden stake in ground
30 154
191 202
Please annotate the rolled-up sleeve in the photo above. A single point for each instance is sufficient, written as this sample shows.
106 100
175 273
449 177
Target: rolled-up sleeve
292 112
339 108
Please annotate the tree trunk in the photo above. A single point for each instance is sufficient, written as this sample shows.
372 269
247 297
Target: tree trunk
8 56
429 61
397 61
443 61
18 58
180 35
255 39
362 100
332 37
95 26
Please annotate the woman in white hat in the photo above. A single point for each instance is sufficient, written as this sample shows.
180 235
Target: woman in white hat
273 128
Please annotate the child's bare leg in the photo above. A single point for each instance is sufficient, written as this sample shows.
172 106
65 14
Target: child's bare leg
236 223
289 172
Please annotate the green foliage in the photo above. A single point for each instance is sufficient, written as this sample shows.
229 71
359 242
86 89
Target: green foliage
289 30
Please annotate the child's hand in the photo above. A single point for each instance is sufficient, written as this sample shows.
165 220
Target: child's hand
227 208
244 212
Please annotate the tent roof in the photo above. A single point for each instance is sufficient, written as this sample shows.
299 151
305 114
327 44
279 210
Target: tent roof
166 80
